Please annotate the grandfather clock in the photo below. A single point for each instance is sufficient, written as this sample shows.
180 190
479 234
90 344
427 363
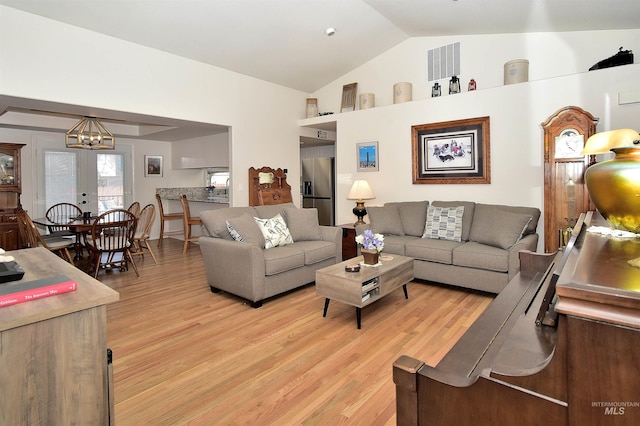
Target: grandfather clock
565 193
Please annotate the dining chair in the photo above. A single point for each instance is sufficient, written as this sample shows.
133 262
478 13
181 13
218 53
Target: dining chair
54 243
165 217
109 241
134 208
188 221
61 213
143 232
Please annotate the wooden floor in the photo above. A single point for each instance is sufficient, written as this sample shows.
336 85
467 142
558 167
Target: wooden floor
183 355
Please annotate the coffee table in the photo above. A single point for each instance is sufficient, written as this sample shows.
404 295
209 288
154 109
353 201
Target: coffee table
362 288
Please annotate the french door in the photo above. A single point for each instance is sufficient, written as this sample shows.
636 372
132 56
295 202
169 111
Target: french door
95 180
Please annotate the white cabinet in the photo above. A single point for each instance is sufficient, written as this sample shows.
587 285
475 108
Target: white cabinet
199 153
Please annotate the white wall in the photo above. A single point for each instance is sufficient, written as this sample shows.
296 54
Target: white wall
516 112
44 59
201 152
482 58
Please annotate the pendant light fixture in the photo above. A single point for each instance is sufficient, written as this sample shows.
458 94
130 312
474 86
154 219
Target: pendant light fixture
89 133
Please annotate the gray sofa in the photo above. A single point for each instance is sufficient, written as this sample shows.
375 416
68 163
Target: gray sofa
465 244
248 266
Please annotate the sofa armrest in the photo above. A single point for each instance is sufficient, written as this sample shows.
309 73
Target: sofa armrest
235 267
528 242
333 234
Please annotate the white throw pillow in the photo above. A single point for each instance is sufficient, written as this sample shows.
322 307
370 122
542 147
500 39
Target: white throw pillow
275 231
444 223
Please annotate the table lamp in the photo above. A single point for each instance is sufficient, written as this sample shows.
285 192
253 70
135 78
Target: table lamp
614 185
360 191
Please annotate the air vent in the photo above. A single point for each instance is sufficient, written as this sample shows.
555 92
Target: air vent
443 62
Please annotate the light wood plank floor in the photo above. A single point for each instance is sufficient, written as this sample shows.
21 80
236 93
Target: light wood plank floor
183 355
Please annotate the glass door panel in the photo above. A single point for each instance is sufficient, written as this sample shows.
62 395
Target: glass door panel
94 180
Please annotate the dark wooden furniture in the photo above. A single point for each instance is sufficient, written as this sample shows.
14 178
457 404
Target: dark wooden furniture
349 246
110 241
508 370
10 190
61 213
53 362
565 193
53 242
273 190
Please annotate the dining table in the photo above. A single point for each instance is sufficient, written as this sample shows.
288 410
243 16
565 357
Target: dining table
77 225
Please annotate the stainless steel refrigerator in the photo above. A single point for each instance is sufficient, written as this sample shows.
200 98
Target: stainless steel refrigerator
318 188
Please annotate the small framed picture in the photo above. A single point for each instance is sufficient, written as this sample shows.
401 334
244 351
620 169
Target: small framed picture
153 166
368 157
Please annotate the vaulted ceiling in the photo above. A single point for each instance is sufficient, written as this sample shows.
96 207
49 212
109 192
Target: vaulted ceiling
284 41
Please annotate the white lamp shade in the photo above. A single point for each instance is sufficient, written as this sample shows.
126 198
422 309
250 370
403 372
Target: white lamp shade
360 190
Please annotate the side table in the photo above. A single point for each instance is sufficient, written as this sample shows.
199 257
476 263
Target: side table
349 247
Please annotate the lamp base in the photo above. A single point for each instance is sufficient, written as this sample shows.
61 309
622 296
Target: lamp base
359 211
614 187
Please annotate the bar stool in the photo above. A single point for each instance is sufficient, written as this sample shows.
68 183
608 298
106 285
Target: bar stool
167 216
188 221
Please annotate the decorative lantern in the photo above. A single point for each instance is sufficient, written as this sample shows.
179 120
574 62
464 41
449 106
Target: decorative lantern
436 90
454 85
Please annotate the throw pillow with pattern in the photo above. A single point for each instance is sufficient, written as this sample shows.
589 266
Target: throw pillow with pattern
275 231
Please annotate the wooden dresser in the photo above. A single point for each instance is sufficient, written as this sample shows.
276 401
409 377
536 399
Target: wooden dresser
582 369
53 351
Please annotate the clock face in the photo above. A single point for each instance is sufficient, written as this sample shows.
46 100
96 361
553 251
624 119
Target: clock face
569 144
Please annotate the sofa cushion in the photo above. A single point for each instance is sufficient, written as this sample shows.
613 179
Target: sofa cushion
530 211
497 227
316 251
481 256
245 229
385 220
303 224
467 217
395 244
215 221
413 215
440 251
266 212
275 231
444 223
282 259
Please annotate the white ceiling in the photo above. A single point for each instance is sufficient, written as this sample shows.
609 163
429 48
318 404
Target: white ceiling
284 41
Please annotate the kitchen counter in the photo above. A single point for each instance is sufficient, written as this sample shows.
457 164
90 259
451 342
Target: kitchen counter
195 194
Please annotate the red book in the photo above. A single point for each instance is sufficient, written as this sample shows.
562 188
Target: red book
12 293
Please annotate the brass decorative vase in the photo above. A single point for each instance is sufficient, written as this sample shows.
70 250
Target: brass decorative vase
371 257
614 187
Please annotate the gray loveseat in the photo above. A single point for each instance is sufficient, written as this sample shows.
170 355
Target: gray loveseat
465 244
248 267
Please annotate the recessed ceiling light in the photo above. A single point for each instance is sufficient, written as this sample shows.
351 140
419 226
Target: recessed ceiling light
330 31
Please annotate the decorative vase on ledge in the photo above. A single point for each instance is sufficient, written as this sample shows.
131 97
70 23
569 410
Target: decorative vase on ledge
370 256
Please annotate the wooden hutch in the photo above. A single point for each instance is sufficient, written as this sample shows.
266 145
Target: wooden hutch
10 190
